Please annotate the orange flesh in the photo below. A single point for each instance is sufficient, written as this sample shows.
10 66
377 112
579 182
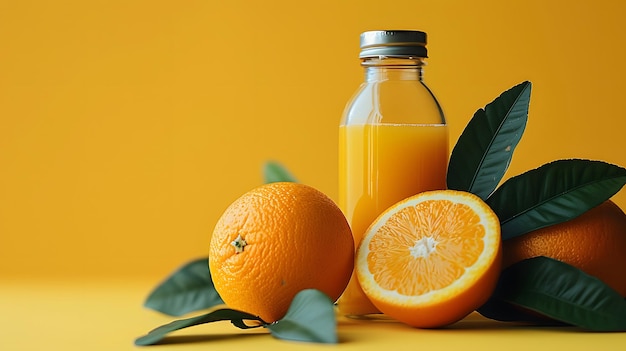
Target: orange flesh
416 259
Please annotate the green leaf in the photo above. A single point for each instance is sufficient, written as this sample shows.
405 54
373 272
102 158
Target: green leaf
311 318
188 289
275 172
500 310
564 293
484 150
554 193
238 319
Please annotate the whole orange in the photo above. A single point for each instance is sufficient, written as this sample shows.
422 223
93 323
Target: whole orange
594 242
275 241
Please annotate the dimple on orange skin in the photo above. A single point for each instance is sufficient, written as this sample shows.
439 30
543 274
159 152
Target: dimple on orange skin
275 241
432 259
594 242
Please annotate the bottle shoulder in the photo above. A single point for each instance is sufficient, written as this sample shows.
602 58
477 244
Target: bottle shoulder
405 102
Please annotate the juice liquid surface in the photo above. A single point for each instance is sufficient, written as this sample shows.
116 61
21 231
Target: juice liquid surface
379 165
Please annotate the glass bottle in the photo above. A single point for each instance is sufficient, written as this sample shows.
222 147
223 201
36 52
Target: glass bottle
393 139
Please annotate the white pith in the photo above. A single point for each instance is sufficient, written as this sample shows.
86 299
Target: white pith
423 247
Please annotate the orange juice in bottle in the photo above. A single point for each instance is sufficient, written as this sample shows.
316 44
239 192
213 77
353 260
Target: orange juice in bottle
393 139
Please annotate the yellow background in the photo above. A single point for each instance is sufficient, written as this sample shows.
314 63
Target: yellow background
127 127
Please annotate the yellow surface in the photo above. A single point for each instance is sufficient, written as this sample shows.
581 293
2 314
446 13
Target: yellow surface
127 127
107 315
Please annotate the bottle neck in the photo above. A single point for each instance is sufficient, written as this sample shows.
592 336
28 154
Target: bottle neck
383 69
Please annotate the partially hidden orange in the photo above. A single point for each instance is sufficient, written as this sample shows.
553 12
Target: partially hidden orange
594 242
273 242
431 259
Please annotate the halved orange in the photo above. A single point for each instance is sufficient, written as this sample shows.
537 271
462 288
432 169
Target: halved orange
431 259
